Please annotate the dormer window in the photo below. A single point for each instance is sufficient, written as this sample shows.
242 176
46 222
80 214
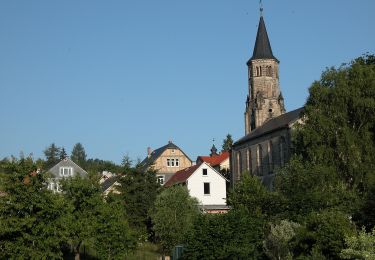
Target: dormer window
66 171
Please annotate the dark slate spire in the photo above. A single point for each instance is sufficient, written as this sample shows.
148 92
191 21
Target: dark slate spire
262 48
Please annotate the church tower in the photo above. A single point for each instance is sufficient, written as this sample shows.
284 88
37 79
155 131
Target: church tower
265 100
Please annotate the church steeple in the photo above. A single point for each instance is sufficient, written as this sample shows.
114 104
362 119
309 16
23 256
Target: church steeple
262 47
264 100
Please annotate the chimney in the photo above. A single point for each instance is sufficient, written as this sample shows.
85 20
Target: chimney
149 151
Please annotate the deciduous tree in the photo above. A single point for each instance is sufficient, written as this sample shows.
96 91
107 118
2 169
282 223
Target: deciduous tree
173 216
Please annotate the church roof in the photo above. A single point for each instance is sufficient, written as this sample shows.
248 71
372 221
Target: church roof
271 125
262 48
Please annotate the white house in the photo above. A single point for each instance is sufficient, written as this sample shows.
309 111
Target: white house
204 183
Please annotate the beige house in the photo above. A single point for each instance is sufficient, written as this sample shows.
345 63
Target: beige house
166 161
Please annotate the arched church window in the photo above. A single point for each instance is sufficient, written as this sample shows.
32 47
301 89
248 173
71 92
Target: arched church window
259 160
257 71
282 150
260 71
239 165
270 156
249 164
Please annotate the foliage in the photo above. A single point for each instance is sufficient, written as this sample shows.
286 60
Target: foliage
173 216
252 195
31 217
94 222
360 246
276 244
324 233
235 235
307 187
79 155
52 154
138 192
98 166
339 123
227 143
113 238
63 154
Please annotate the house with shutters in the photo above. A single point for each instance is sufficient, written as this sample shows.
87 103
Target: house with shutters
204 183
166 161
64 169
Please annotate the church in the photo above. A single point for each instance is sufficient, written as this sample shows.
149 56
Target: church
267 141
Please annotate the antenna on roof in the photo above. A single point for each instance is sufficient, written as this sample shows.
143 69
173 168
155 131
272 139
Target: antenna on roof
261 8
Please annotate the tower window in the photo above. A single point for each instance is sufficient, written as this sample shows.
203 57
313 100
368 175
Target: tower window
270 110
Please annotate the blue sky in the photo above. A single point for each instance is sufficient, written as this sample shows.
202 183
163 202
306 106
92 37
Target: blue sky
119 76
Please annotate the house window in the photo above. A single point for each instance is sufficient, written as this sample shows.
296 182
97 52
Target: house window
66 171
204 172
160 179
206 187
173 162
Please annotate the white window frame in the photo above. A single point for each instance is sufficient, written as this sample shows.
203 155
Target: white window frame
160 179
69 171
173 162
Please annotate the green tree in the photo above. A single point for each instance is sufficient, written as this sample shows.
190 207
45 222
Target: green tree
339 122
113 237
126 162
360 246
52 154
138 191
235 235
276 244
173 216
323 233
93 222
79 155
31 217
227 143
252 195
63 154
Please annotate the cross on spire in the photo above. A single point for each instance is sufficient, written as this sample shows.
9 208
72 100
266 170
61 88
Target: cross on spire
261 7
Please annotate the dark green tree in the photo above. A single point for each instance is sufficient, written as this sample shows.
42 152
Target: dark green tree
31 217
252 195
235 235
173 216
63 154
126 162
52 154
138 192
79 155
323 232
227 143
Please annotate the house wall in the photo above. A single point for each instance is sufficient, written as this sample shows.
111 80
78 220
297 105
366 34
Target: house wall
196 182
160 164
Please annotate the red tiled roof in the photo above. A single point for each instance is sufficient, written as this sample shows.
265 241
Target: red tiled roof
181 176
215 159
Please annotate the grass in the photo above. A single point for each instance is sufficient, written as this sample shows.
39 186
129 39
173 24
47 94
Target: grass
145 252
